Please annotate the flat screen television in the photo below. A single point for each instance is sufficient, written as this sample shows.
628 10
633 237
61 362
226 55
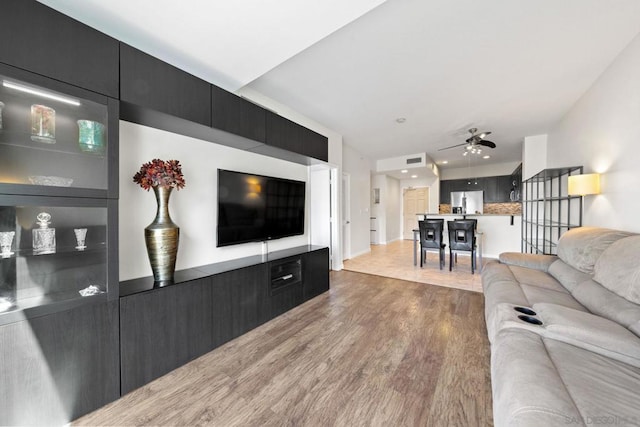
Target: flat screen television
255 208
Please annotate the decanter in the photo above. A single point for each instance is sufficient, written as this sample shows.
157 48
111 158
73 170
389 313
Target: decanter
44 238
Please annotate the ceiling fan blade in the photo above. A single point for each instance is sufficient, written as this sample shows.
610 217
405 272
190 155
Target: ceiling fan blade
453 146
486 143
477 137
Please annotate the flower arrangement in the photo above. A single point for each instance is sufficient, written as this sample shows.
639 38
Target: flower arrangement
160 173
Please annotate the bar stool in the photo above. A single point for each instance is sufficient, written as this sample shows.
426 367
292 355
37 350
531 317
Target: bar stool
462 238
431 239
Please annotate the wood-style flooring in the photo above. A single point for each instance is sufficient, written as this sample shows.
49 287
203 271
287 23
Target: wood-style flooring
395 260
372 351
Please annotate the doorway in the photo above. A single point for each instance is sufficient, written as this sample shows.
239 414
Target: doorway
414 201
346 215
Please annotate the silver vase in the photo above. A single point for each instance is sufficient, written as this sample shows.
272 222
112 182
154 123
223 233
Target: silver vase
162 237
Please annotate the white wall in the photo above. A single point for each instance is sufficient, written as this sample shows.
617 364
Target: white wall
193 208
602 133
534 155
393 209
359 168
496 169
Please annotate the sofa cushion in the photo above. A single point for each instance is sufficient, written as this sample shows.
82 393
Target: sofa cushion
618 268
527 390
528 276
581 247
588 331
534 261
601 301
568 276
536 294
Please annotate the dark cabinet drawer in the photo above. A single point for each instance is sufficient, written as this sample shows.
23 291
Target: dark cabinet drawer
39 39
150 83
236 115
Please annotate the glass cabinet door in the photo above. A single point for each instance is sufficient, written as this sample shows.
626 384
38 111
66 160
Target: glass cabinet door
50 254
52 139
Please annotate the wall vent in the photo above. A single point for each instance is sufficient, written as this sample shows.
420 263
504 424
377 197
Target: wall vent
414 160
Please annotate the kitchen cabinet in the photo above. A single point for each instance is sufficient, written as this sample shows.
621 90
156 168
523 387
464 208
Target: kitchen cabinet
150 83
44 41
236 115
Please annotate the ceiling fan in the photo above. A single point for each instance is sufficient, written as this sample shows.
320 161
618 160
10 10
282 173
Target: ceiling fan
476 138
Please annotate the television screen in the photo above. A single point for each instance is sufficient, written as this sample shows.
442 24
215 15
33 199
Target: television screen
254 208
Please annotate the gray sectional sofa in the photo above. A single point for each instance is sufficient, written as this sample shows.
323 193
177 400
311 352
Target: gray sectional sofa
571 355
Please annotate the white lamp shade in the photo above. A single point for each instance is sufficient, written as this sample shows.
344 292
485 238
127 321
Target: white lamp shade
583 185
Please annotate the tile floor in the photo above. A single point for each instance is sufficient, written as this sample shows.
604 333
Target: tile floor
396 260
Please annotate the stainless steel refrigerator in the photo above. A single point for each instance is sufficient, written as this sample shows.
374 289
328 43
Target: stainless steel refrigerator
467 202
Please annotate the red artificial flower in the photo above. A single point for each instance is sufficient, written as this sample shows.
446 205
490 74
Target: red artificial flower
160 173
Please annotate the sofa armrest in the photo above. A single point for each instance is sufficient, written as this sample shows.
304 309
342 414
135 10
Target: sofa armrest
534 261
588 331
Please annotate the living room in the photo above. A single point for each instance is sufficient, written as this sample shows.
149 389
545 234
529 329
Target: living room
592 124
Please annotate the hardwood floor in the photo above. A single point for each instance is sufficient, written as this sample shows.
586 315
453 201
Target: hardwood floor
372 351
396 260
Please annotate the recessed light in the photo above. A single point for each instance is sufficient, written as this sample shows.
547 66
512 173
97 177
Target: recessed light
414 176
486 157
444 162
401 120
404 171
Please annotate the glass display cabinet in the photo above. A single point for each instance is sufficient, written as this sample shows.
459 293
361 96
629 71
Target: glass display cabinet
58 195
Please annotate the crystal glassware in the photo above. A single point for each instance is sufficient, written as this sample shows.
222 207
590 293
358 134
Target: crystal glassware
44 238
43 124
91 136
6 240
81 234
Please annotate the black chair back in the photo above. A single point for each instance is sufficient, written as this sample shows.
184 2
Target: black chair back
462 235
431 233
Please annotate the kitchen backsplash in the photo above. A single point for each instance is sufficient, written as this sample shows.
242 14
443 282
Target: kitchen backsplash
491 208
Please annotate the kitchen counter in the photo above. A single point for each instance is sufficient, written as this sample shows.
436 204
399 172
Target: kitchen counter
502 232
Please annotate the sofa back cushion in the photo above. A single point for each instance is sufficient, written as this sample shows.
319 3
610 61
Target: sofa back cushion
581 247
618 268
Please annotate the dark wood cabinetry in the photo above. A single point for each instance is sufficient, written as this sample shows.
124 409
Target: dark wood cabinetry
290 136
496 188
236 115
164 328
44 41
150 83
58 367
316 273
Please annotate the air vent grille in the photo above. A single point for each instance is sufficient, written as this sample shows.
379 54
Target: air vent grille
414 160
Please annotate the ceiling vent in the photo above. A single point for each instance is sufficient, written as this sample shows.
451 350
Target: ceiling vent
414 160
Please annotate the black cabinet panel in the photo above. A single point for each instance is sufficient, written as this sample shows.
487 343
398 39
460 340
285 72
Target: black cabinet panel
236 115
503 188
246 292
288 135
42 40
162 330
59 367
286 299
315 273
151 83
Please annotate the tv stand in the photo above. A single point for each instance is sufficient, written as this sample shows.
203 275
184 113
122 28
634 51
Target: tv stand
161 329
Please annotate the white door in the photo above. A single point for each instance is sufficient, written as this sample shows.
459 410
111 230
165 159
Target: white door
414 201
346 216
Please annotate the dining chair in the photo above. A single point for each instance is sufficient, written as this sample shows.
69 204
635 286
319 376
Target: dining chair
431 239
462 238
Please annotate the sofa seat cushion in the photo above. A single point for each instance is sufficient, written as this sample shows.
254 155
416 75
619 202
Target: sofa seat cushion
539 381
528 276
536 295
568 276
581 247
527 390
618 269
604 390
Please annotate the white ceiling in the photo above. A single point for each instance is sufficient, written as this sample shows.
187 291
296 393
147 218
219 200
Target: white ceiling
511 67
